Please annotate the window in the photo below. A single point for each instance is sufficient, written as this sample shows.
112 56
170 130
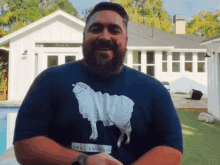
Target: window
52 61
137 67
188 57
70 59
176 56
150 57
188 65
58 44
136 57
164 69
164 58
201 56
150 70
201 65
176 65
150 61
137 60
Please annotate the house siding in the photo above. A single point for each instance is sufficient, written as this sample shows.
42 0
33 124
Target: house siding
22 67
213 81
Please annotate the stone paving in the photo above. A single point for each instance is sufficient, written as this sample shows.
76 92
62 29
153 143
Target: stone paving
181 101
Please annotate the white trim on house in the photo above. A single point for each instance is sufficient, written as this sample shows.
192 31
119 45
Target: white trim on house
57 41
7 49
188 50
210 41
150 48
41 21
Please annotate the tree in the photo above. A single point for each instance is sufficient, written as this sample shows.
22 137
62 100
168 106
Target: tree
87 11
148 12
23 12
205 24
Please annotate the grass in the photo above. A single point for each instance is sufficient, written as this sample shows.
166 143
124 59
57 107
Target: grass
201 140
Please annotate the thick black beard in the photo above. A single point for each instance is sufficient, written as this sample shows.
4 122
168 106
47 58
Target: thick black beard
100 65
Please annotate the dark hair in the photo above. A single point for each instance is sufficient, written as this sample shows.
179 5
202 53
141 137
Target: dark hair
110 6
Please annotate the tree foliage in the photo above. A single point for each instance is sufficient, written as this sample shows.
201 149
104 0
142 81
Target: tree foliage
16 14
148 12
206 24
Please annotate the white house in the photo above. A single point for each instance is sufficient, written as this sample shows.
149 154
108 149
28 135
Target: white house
57 39
213 50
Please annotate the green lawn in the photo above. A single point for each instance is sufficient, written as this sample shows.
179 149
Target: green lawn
201 140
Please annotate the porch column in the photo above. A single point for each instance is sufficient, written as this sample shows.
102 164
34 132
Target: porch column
158 64
143 61
130 58
80 57
217 78
182 62
169 63
195 64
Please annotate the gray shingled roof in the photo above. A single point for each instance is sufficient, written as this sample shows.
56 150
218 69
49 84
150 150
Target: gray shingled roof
161 38
135 39
208 39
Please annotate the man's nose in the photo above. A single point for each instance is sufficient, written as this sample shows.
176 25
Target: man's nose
105 35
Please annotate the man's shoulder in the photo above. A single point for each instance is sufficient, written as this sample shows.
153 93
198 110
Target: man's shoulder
144 81
140 76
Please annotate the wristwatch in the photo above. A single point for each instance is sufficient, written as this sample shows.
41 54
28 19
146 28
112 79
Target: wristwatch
81 159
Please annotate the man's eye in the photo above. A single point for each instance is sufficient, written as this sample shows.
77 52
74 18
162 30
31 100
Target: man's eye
94 29
115 30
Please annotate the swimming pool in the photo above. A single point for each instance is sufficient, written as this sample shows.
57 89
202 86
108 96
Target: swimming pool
3 125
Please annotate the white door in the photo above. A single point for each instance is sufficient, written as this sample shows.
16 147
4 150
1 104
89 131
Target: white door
47 59
54 59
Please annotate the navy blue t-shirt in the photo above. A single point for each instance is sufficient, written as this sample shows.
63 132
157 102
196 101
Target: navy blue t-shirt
125 115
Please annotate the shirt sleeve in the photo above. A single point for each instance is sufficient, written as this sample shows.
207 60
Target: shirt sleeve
36 111
166 122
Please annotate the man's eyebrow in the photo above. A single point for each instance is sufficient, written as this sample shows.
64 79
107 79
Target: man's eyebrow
99 24
95 24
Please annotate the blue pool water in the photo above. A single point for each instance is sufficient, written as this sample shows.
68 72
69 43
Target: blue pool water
2 142
3 125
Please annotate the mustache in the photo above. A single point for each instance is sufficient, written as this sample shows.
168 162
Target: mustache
102 44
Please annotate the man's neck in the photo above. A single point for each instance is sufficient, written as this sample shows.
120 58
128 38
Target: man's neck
90 68
101 78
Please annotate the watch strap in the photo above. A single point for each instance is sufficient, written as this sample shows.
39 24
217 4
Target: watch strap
82 158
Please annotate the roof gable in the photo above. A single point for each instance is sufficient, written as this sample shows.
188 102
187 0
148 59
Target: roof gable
43 20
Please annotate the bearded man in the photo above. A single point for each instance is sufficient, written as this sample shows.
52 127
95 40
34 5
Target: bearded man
78 113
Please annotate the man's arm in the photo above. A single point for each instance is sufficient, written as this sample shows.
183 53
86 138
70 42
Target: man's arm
44 151
160 155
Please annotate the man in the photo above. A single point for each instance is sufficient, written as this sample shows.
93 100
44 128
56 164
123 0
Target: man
80 111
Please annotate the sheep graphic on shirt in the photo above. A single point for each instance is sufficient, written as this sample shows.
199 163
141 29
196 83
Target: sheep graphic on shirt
111 110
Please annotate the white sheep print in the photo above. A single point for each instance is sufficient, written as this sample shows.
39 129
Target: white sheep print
111 110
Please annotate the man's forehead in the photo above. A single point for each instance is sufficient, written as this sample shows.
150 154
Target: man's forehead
106 16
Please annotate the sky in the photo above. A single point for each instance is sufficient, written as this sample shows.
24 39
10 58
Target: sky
189 8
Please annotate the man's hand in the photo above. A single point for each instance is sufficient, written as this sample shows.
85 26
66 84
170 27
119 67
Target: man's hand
102 159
